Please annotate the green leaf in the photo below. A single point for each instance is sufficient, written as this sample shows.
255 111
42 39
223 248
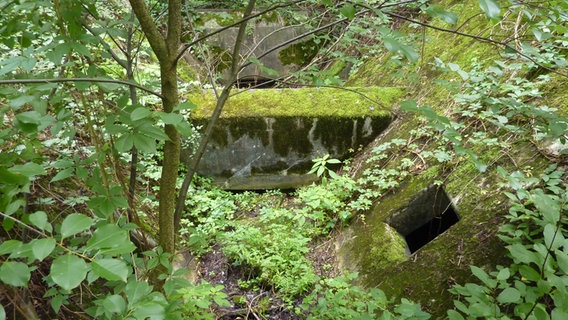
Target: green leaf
63 174
490 7
16 274
110 239
7 177
548 206
136 291
503 274
348 11
395 46
9 246
409 105
187 105
39 219
521 254
2 313
454 315
436 11
29 117
41 248
552 237
483 276
124 143
29 169
140 113
170 118
68 271
562 260
149 309
144 143
75 223
509 295
114 303
110 269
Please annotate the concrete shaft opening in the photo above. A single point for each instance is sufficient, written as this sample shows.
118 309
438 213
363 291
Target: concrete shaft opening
427 216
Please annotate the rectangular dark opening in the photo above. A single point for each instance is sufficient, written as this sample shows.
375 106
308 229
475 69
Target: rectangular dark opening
429 214
430 230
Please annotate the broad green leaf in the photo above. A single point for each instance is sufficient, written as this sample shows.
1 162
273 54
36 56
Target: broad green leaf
16 274
68 271
110 269
110 239
503 274
395 46
562 260
436 11
124 143
529 273
170 118
522 254
409 105
548 207
552 237
144 143
29 117
2 313
41 248
509 295
490 7
29 169
185 106
149 309
75 223
63 174
140 113
136 291
454 315
7 177
9 246
104 206
483 276
348 11
114 303
39 219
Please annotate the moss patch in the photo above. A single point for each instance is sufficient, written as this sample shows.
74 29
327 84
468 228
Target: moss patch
306 102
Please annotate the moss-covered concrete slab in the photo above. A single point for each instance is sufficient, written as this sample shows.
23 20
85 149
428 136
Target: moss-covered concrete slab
266 134
302 102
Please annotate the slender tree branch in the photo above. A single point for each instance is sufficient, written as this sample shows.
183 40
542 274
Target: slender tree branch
59 80
105 45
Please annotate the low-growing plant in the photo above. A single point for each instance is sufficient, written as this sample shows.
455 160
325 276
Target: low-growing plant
337 298
200 301
275 255
534 285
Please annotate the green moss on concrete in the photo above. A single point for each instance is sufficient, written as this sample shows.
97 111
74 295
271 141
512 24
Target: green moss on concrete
555 94
306 102
299 53
381 70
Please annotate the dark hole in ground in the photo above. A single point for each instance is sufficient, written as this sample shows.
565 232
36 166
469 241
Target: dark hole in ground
427 216
433 228
256 83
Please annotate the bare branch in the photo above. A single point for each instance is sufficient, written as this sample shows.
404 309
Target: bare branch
59 80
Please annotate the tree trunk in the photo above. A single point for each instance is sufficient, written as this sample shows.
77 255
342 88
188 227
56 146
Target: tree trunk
166 49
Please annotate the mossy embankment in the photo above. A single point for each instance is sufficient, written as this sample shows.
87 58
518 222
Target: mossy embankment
369 247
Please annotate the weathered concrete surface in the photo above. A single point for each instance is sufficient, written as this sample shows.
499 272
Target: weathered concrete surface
268 138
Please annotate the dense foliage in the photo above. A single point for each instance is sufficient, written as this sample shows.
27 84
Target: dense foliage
87 132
